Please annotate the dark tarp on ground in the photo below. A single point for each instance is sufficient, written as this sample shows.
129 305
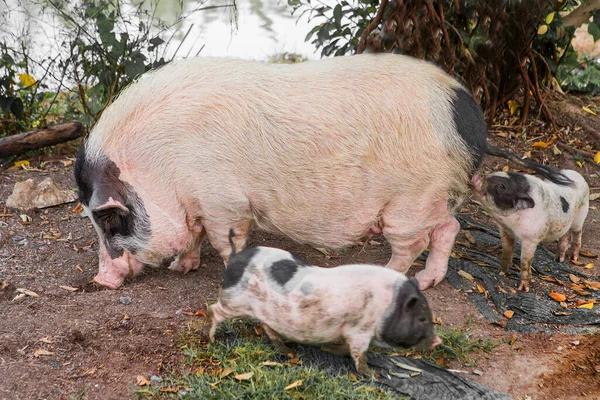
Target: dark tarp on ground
531 309
433 383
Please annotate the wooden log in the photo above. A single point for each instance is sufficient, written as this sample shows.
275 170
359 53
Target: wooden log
22 142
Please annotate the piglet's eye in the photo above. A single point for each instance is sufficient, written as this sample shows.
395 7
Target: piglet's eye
422 319
502 186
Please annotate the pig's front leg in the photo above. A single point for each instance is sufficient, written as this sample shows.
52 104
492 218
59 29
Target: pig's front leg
508 245
404 252
359 345
189 260
576 244
527 252
441 241
218 235
563 246
275 339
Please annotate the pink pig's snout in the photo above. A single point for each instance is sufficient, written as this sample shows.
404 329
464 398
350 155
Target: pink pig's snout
112 272
436 341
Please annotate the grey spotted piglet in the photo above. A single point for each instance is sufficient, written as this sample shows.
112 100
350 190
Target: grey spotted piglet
359 304
534 211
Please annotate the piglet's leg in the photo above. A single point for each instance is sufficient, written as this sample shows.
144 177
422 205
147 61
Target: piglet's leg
508 245
275 339
576 244
527 252
441 241
563 246
358 348
216 314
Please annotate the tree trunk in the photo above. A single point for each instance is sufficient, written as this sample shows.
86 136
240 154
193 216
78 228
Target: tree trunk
22 142
581 14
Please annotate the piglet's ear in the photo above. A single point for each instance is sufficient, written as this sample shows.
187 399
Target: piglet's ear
414 282
103 199
524 202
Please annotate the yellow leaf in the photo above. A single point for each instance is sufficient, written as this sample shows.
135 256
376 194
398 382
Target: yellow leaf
550 18
69 288
293 385
597 157
589 266
480 288
588 110
505 169
542 29
541 145
513 106
244 377
26 79
42 352
142 381
22 163
509 314
465 274
589 306
579 163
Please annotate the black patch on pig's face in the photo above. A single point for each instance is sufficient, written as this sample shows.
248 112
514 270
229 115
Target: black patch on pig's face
237 266
564 203
410 322
96 183
510 193
284 270
470 125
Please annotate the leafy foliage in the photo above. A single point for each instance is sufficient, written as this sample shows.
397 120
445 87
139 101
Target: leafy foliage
494 48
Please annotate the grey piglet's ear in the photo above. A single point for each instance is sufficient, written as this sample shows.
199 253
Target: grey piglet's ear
524 202
415 282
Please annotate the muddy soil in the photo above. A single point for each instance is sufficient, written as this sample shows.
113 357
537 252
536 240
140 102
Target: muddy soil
83 341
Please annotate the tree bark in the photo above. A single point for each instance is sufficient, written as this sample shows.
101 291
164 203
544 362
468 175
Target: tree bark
22 142
581 14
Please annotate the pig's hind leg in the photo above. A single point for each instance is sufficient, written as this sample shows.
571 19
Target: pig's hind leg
359 344
275 339
441 241
216 314
577 230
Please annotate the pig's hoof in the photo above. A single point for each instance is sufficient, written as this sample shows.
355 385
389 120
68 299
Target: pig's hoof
366 373
426 280
185 264
524 286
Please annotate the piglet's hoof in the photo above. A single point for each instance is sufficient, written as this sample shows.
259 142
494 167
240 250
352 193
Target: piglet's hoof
427 279
524 286
366 373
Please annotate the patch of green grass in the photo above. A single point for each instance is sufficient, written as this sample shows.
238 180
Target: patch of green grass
238 349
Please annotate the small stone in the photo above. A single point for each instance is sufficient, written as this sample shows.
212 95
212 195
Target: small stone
125 300
559 348
477 372
575 343
155 379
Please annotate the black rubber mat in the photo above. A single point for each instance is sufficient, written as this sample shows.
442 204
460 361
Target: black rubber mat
532 311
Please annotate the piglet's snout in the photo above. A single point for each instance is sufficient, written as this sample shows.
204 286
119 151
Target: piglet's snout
436 341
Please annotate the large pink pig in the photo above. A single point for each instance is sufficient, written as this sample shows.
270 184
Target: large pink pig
323 152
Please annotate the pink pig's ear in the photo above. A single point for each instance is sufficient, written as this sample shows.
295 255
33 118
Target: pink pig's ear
101 200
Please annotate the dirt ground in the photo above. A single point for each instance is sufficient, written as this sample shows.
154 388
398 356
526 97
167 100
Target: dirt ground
87 344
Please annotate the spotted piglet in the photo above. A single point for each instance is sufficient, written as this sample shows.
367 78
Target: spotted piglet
534 211
359 304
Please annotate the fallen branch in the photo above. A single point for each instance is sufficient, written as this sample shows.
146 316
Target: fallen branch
362 43
574 150
32 140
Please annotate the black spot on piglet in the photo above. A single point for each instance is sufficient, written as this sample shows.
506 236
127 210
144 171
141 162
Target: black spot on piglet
237 265
284 270
564 203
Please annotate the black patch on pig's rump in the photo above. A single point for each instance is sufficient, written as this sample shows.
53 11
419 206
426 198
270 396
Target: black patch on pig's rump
470 125
99 181
237 266
284 270
409 321
564 203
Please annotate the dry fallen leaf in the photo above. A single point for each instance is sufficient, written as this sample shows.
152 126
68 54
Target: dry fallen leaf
79 268
594 196
271 364
78 208
470 237
578 263
258 330
226 372
563 304
69 288
437 320
4 284
562 313
513 106
558 296
597 158
169 390
592 301
465 275
589 306
588 110
579 164
588 254
46 340
480 288
509 314
143 381
28 292
293 385
42 352
589 266
592 285
244 377
574 279
505 169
